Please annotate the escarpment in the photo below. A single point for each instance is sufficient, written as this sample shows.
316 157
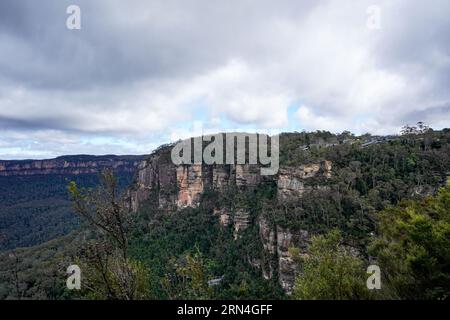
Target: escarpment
181 186
277 242
291 180
82 164
176 187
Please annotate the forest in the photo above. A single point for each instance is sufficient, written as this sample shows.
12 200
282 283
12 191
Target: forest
35 209
388 200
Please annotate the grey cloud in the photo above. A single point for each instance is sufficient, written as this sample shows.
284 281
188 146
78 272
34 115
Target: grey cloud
37 123
121 42
141 67
429 115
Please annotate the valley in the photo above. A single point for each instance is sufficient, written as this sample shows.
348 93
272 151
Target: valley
226 231
34 203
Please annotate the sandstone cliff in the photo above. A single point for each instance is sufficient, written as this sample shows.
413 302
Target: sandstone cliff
81 164
291 180
178 187
277 241
182 186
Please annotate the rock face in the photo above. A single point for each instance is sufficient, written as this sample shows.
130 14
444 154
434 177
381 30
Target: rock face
178 187
190 185
267 235
276 242
224 217
291 181
182 186
154 175
247 175
287 268
82 164
241 222
221 176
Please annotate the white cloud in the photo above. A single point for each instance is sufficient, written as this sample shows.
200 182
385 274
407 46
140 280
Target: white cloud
140 73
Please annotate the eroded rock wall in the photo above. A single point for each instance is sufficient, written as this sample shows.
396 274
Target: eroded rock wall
291 181
287 268
154 175
190 185
82 164
241 222
182 186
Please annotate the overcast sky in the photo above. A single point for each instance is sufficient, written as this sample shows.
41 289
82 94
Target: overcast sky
142 73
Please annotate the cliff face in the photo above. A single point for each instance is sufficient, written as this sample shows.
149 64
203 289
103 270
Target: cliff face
155 174
291 180
68 165
287 268
277 241
191 185
181 186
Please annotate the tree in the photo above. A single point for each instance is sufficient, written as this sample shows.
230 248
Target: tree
108 275
109 272
412 247
189 279
103 209
407 130
13 274
422 127
329 271
419 128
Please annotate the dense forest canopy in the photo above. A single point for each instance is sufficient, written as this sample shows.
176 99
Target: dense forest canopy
383 200
35 209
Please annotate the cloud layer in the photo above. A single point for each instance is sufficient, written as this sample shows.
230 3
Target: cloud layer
139 72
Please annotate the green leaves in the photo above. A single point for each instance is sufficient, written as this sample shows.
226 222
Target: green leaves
413 247
330 271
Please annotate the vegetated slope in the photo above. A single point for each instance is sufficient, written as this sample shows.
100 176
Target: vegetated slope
39 272
244 226
234 228
34 203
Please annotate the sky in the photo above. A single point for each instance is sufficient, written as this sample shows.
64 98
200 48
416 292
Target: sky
140 73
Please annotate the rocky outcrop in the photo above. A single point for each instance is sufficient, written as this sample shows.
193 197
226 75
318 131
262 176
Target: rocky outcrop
269 242
277 242
221 177
143 185
241 222
287 267
267 235
190 185
268 270
291 180
83 164
224 217
182 186
247 175
156 176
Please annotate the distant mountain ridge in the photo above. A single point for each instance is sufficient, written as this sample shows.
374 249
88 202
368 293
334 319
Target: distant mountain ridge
75 164
34 202
247 229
